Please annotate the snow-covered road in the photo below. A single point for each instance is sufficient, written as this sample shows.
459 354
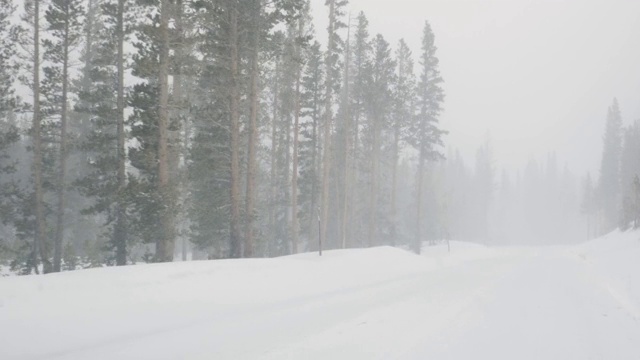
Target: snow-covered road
551 306
384 303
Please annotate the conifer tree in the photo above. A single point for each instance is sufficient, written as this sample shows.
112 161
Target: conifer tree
9 135
302 30
64 25
361 74
256 33
101 103
210 157
609 182
262 19
426 135
235 240
282 137
345 148
404 101
120 234
311 111
275 105
165 243
33 224
154 189
629 171
332 69
380 97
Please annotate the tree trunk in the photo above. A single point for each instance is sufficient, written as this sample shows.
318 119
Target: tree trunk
234 98
394 185
313 213
354 180
62 171
41 247
419 180
120 229
294 175
274 144
326 157
373 196
296 129
253 133
185 179
347 135
166 241
179 144
287 185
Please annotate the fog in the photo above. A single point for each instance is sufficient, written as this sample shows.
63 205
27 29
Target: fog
533 80
537 75
230 129
319 179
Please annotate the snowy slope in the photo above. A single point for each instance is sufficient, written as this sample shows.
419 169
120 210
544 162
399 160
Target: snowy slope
382 303
614 263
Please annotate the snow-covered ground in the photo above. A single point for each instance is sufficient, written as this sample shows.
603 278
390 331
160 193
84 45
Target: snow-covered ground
579 302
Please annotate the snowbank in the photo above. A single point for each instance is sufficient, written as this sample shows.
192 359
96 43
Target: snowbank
59 313
615 262
376 303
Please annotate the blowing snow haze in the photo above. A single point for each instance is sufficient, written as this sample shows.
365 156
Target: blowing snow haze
537 75
319 179
245 128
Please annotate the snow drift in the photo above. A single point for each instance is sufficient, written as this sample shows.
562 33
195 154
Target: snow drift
374 303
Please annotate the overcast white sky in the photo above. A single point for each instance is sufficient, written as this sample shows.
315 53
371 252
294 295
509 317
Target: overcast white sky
538 75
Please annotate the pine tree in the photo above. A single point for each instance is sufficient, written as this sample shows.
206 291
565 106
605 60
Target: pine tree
332 69
282 140
427 137
101 103
154 189
404 101
8 67
184 68
235 240
311 111
33 222
165 243
275 105
302 31
256 33
9 136
261 24
144 100
380 105
63 18
120 231
209 157
362 53
609 183
629 171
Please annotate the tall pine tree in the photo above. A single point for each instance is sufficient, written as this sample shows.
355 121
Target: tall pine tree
426 135
64 25
609 183
403 110
380 104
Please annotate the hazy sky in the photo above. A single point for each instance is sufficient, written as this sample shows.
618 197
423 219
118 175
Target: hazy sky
537 75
